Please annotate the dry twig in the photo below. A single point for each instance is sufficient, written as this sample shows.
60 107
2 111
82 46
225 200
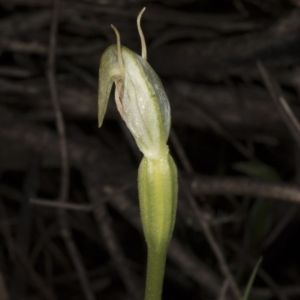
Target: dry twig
241 186
206 229
282 105
104 222
37 281
64 189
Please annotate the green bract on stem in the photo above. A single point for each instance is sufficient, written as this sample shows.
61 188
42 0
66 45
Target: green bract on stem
144 106
157 185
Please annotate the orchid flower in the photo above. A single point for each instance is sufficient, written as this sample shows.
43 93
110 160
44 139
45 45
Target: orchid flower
144 106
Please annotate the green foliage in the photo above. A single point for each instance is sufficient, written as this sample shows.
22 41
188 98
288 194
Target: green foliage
261 214
251 280
261 219
256 169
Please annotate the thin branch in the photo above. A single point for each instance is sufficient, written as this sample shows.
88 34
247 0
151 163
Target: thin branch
240 186
225 134
65 177
45 241
6 231
38 282
279 227
61 205
64 190
181 153
204 224
222 295
24 232
3 290
110 239
212 242
265 293
282 105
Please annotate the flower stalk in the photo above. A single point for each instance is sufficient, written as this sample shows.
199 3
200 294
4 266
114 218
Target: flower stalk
144 106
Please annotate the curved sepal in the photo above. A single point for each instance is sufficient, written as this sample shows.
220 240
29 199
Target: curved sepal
109 68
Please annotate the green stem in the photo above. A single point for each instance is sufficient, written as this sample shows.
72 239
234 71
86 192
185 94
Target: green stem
155 274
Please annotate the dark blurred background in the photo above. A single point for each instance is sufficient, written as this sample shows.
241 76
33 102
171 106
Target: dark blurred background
69 219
